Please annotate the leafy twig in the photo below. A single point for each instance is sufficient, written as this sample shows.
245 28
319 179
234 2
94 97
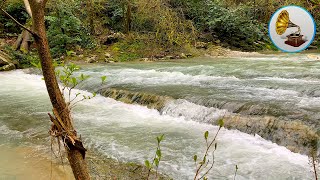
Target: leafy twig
204 163
157 158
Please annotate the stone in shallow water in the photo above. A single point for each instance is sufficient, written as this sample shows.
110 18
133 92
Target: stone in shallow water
8 67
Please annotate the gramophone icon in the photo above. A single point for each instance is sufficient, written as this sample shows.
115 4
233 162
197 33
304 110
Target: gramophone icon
283 23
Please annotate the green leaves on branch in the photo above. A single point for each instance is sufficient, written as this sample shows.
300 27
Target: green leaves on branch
69 81
158 153
160 138
157 157
84 77
156 162
205 165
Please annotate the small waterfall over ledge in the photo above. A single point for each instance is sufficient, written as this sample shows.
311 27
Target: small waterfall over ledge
293 134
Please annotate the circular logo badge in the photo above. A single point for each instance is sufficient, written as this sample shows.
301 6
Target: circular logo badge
292 29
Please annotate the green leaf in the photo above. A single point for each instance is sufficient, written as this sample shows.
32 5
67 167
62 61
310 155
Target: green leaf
158 153
74 81
58 73
62 77
103 79
147 163
156 161
195 157
94 94
160 138
37 65
82 77
69 53
206 134
221 122
204 160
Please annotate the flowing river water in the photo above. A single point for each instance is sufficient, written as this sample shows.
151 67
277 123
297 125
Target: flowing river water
200 90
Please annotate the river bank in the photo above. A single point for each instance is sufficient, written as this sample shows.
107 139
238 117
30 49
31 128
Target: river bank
31 163
26 163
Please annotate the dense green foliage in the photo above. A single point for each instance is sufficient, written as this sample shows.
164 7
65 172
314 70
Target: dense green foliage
149 28
237 27
65 29
17 10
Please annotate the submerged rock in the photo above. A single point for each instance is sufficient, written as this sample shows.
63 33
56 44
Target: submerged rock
109 60
183 56
146 99
113 38
107 55
91 59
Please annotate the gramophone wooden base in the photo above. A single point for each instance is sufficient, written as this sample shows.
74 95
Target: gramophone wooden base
295 41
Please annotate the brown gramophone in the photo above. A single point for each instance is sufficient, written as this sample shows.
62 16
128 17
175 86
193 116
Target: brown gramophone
283 23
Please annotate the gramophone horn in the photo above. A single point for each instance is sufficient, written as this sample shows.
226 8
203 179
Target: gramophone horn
283 23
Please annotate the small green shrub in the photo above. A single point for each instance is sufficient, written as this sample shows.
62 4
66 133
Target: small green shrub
236 27
66 30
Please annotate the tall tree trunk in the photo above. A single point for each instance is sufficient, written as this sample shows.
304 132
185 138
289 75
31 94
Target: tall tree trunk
73 146
90 11
128 17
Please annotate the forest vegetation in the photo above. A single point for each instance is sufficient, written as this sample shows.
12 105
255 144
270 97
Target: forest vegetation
135 29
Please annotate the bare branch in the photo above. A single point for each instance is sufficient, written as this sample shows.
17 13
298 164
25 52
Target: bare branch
22 26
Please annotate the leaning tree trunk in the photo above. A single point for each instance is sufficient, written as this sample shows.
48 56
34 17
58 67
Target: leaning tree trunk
24 39
73 145
23 42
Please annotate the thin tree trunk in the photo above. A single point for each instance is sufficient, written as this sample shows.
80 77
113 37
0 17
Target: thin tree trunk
91 16
18 42
128 17
23 41
75 150
26 39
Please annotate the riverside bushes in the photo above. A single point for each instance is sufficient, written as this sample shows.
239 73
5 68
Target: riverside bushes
154 26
